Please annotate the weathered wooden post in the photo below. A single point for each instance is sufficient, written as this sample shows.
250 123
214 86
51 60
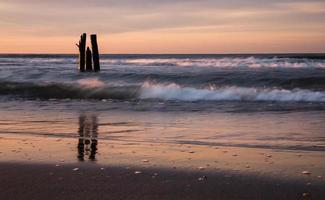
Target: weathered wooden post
89 66
94 46
82 49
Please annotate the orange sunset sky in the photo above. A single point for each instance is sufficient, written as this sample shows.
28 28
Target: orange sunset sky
169 26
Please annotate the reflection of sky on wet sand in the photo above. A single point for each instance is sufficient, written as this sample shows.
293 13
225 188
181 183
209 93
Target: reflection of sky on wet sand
293 131
61 151
165 140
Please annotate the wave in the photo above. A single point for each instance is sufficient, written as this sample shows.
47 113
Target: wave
224 62
312 81
82 89
175 92
95 89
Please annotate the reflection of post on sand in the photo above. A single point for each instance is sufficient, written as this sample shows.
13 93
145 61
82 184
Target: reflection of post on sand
87 145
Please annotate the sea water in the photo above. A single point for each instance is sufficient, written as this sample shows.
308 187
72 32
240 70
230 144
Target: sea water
265 101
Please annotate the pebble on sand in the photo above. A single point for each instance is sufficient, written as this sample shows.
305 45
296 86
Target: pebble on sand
203 178
137 172
145 160
76 169
154 175
306 194
306 172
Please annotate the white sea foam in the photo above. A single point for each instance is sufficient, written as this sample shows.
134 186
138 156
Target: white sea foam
176 92
225 62
90 83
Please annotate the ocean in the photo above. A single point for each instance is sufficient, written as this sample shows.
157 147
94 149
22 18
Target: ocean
266 101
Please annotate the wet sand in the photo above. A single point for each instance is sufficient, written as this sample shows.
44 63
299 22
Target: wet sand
87 181
60 168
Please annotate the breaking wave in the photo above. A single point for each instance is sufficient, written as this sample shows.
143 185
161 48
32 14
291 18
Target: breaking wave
95 89
175 92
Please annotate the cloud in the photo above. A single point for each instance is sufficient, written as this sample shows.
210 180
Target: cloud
131 15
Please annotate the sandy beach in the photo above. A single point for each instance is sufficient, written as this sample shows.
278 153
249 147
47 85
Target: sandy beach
78 181
43 167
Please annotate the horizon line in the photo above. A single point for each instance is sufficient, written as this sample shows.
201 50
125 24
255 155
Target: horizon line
263 53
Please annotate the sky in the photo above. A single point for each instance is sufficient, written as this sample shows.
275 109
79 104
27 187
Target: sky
164 26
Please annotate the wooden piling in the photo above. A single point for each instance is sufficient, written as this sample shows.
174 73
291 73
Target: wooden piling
89 66
94 46
82 51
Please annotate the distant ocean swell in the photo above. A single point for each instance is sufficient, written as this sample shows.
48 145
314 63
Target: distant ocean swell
95 89
226 62
223 79
230 62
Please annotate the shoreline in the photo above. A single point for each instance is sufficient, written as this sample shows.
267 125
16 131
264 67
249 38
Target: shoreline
110 166
50 168
288 164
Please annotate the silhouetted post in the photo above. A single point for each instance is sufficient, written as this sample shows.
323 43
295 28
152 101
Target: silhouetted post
94 47
82 49
89 66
